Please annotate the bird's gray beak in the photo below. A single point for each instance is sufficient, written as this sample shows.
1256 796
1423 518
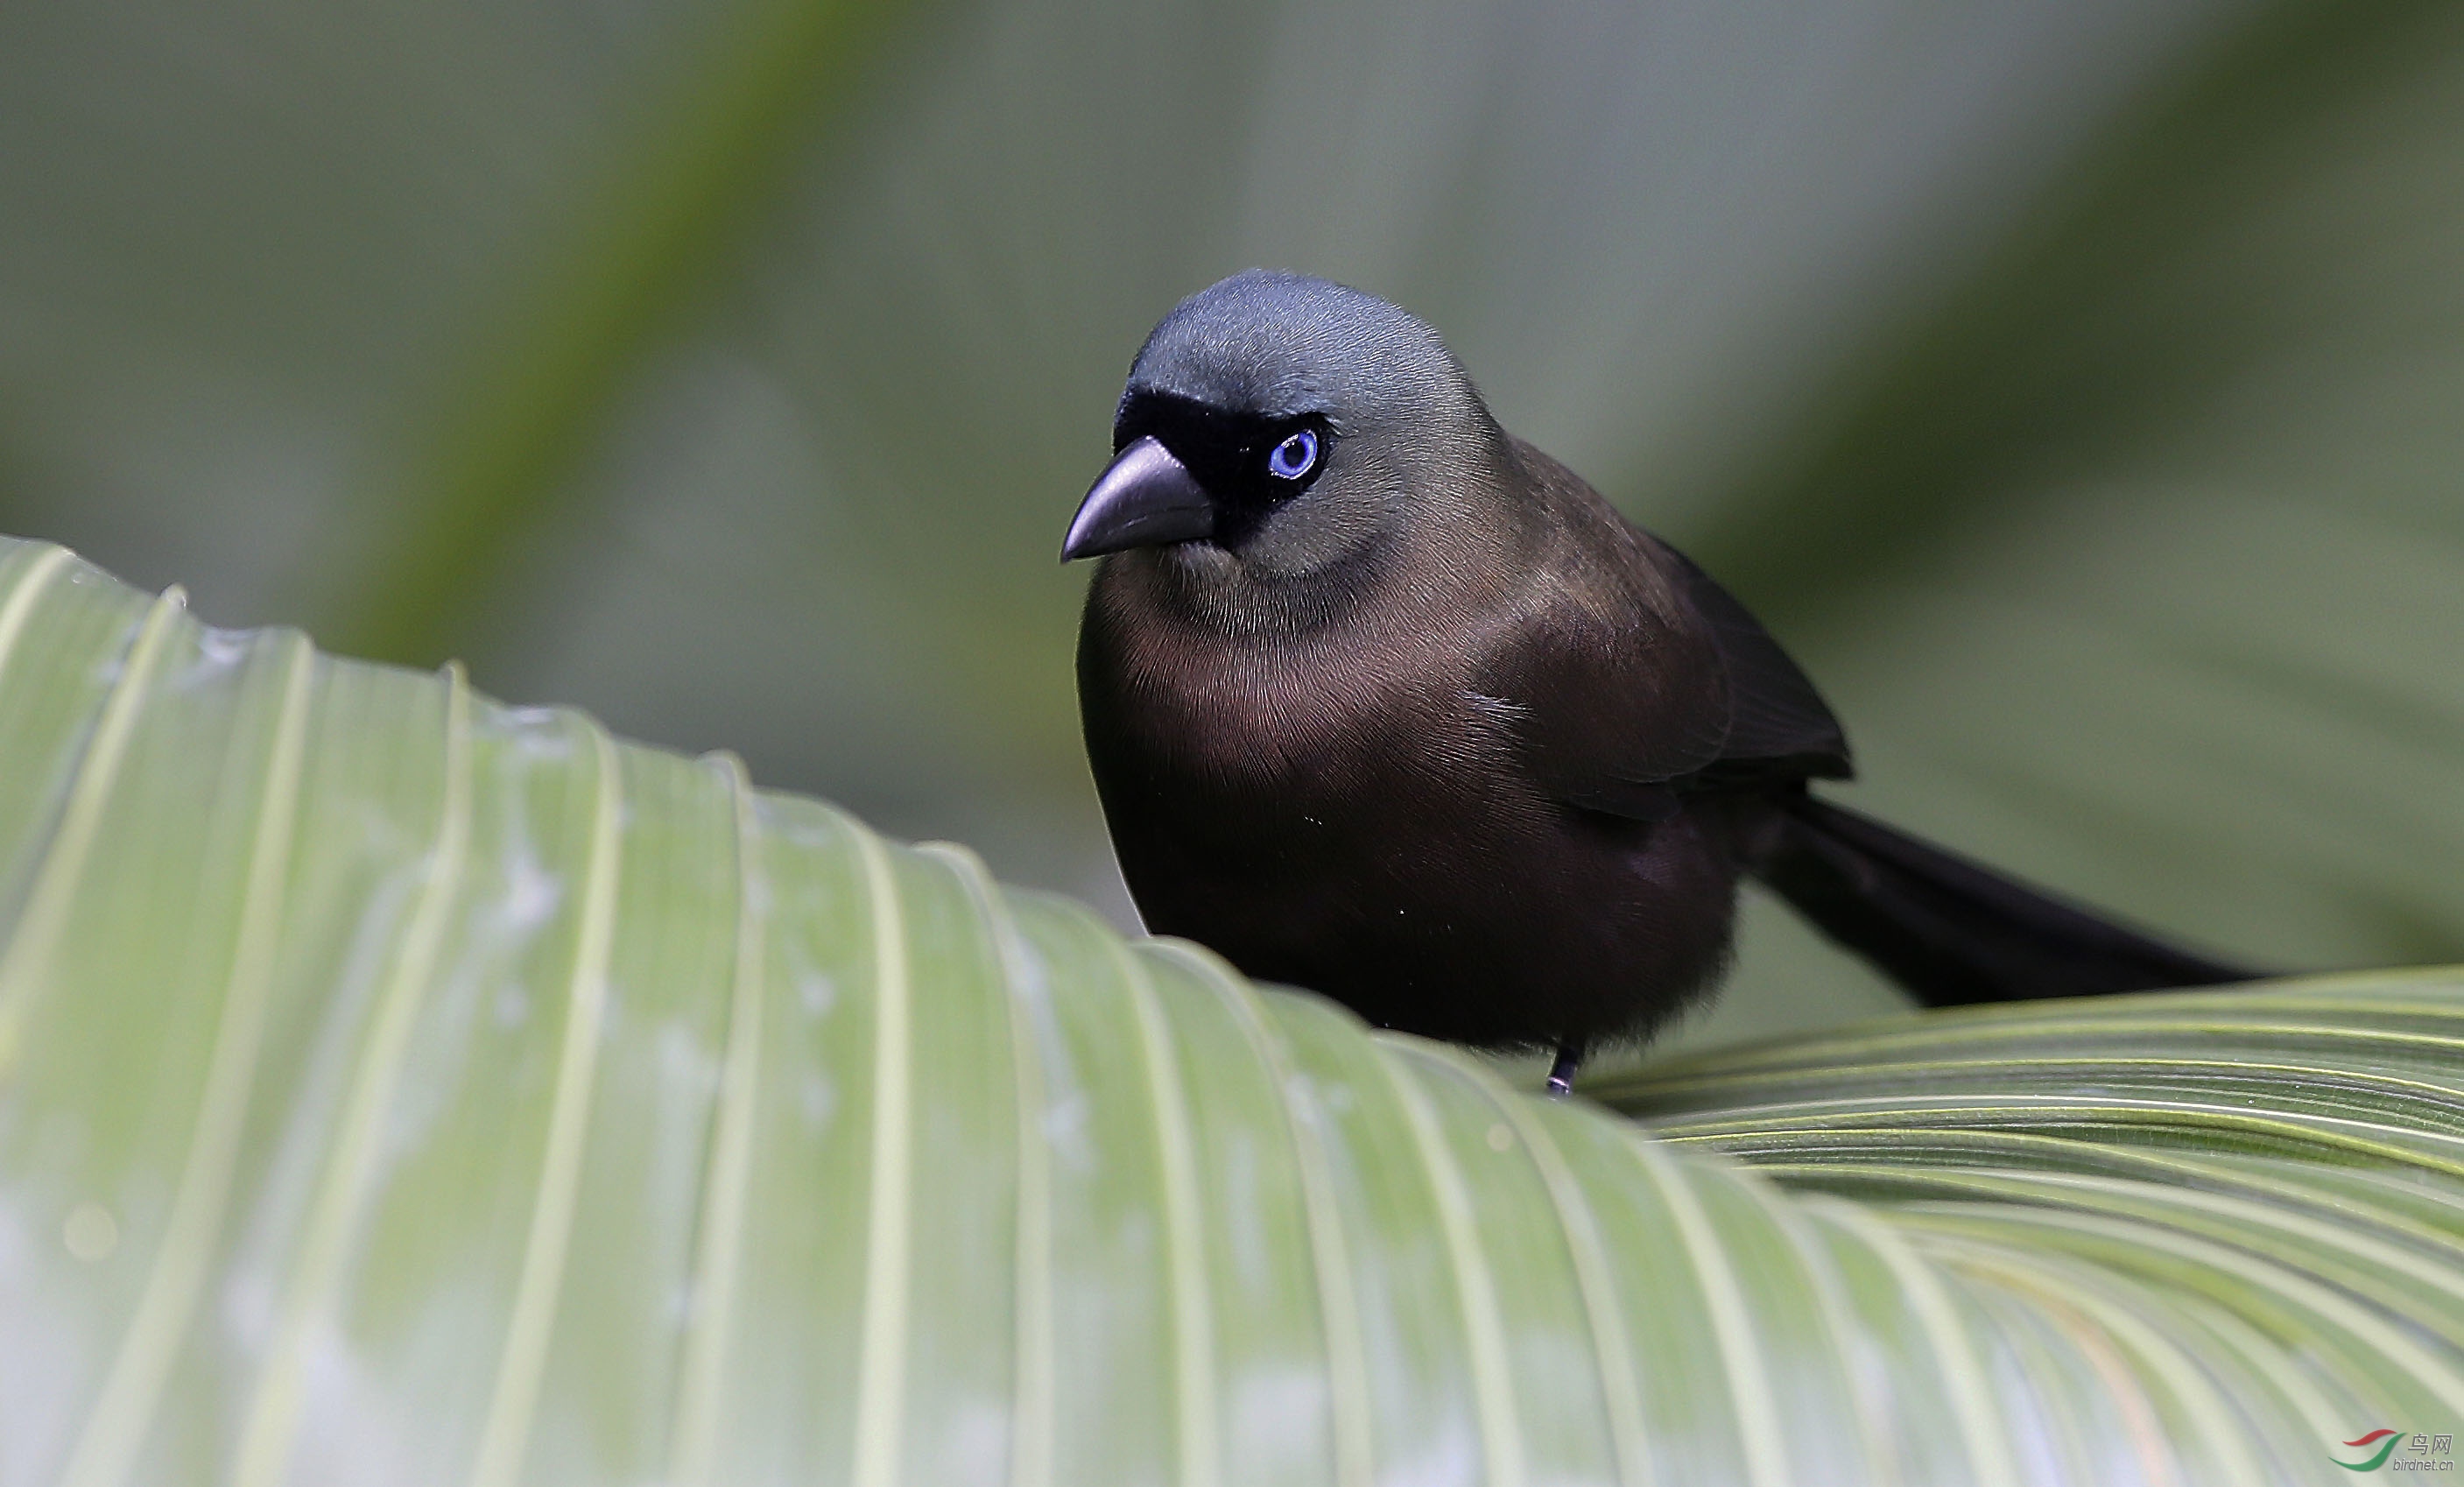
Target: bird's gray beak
1144 499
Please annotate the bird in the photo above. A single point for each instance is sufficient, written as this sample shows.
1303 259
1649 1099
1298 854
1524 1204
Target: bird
1384 702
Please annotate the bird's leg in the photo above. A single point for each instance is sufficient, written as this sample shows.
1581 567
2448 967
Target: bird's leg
1561 1073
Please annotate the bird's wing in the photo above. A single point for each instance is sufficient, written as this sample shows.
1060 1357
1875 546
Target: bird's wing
1612 703
1778 725
1618 705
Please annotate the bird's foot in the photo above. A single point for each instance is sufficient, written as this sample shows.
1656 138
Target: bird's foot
1561 1073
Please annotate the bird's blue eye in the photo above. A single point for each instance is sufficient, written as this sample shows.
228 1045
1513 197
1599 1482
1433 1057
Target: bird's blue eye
1295 457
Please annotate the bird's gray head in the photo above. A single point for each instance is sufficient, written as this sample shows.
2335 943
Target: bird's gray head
1274 425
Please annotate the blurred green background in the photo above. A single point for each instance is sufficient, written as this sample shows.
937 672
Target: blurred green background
2077 385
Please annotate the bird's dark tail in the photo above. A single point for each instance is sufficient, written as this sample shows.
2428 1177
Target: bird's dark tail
1952 931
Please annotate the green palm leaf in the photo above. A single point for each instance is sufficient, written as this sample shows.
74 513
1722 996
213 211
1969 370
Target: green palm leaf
395 1086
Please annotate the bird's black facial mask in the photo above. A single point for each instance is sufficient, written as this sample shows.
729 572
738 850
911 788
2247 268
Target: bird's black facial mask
1185 471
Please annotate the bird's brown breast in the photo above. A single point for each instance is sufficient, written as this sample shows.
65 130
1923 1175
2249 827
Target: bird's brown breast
1291 719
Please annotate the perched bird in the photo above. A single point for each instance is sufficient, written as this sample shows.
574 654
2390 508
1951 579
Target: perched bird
1385 702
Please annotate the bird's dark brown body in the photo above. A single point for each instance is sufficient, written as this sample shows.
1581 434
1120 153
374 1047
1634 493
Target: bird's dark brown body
1348 800
1385 702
